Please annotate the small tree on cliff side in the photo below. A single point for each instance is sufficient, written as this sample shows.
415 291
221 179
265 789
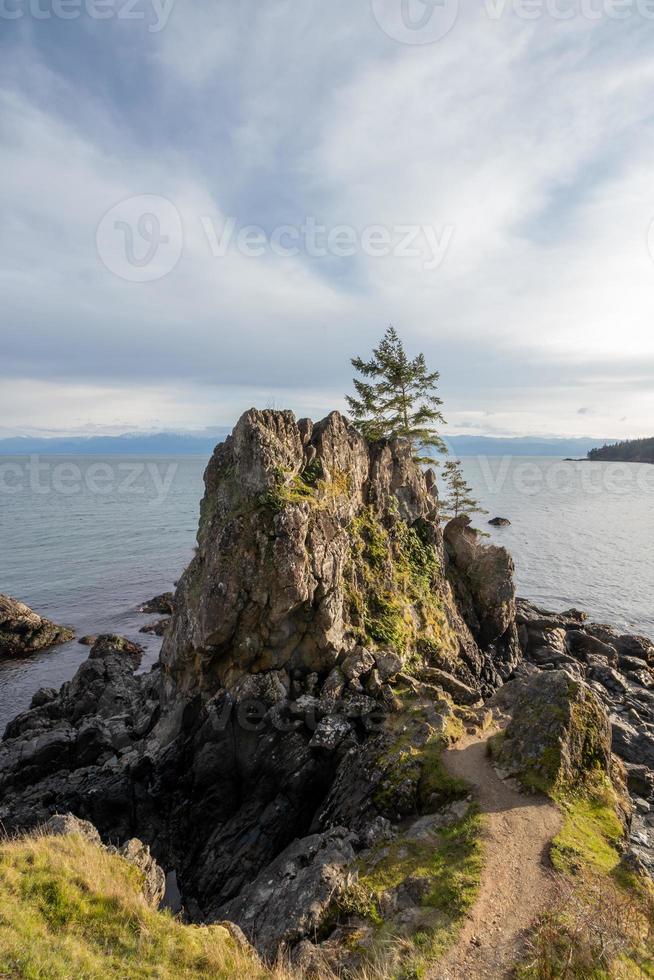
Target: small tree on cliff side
399 400
460 500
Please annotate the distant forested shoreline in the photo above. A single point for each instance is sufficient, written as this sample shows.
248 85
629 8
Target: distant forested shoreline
629 451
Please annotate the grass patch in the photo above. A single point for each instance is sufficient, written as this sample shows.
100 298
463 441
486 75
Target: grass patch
602 926
590 834
312 486
445 869
70 909
597 930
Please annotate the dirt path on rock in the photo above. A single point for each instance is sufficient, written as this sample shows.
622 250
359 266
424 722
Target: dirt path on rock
516 884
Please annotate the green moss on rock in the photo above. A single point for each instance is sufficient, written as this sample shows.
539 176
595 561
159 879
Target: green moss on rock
414 779
439 870
559 737
393 584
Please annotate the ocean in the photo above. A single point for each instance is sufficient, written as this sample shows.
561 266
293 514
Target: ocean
85 540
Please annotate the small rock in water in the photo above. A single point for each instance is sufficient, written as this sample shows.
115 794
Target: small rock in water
158 628
500 522
22 631
163 604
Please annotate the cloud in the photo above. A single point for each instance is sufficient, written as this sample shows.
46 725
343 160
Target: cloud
532 141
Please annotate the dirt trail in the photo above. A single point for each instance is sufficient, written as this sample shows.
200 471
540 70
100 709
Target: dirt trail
516 884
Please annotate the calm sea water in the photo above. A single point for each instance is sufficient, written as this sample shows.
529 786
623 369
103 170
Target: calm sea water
85 540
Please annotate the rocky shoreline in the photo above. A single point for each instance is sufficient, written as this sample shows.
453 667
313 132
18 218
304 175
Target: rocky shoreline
619 669
325 644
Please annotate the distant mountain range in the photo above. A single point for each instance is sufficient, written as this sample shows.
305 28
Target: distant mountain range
176 444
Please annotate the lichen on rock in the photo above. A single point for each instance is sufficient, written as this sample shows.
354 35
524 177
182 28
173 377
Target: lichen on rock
559 736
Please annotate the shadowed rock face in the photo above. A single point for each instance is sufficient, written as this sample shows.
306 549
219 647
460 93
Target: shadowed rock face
320 577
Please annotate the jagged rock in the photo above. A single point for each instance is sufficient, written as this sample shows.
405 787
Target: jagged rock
608 678
270 585
291 898
459 691
154 880
583 645
358 663
334 684
639 647
22 631
270 688
96 717
44 695
62 824
330 732
87 641
632 664
488 573
528 613
481 576
389 664
163 604
236 933
374 683
311 960
636 747
559 732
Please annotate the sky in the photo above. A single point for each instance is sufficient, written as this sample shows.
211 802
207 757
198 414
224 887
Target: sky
211 205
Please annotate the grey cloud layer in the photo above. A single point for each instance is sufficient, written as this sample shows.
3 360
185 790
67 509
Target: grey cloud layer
532 140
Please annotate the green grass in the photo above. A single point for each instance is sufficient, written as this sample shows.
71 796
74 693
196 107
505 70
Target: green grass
590 834
449 862
313 486
602 927
70 909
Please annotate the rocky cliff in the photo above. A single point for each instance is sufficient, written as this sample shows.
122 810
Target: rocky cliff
312 542
326 641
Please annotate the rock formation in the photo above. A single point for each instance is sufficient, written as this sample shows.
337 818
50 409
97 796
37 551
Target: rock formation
619 669
559 734
22 631
325 642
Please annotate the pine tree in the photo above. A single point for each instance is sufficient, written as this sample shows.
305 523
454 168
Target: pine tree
460 500
400 400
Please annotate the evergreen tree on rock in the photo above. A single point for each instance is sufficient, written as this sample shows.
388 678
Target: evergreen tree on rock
399 400
460 500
